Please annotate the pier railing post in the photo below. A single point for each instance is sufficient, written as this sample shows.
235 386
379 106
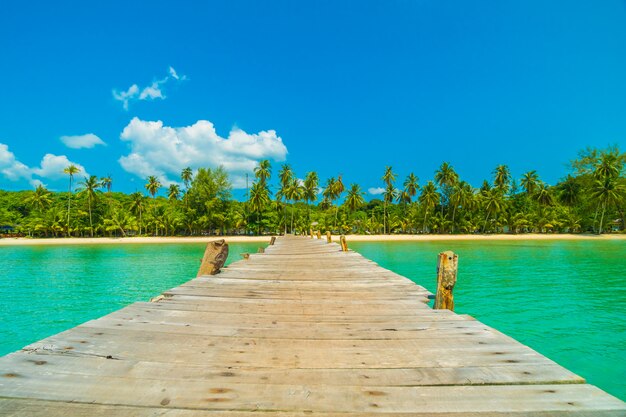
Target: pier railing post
344 244
272 240
214 257
311 232
447 266
329 239
319 234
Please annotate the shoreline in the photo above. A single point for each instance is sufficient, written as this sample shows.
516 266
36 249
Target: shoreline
254 239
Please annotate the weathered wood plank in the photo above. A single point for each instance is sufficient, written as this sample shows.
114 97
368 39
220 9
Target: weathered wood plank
303 328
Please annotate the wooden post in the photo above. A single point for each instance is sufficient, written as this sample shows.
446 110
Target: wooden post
245 255
319 234
214 257
260 250
311 232
272 240
447 266
344 244
328 237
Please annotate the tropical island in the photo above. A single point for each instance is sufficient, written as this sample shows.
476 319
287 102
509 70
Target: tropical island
589 199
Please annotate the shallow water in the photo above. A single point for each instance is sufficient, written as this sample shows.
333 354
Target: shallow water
566 299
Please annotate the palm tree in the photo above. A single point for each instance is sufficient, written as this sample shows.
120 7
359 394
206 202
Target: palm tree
263 171
389 195
106 182
285 176
137 205
543 195
446 177
259 199
187 176
354 199
39 199
502 178
89 187
388 177
294 193
153 185
70 170
428 198
411 185
608 191
173 192
311 183
569 191
493 201
529 182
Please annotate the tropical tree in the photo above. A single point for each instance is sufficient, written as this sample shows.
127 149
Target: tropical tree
311 184
89 186
70 170
502 179
354 198
259 199
263 171
40 199
186 176
153 185
607 192
294 193
173 192
530 182
137 205
389 178
446 177
428 198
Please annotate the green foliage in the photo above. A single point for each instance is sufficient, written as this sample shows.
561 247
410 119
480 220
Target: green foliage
592 198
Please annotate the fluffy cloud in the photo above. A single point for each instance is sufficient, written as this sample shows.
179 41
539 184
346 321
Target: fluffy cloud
152 92
164 151
10 167
51 167
376 191
82 141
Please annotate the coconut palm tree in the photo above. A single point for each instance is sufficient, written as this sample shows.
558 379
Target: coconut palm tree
389 178
607 192
502 178
285 177
311 183
294 193
89 187
263 171
428 198
153 185
107 182
173 192
70 170
446 177
493 203
354 198
411 185
569 191
259 199
530 182
187 176
39 199
137 205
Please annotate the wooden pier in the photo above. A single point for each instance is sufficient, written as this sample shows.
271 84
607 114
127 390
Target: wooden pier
302 329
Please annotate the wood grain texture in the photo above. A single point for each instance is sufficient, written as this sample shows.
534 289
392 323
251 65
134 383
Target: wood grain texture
302 329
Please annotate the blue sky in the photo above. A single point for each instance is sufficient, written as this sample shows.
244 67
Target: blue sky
337 87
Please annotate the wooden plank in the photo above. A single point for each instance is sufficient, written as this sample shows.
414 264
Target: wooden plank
300 329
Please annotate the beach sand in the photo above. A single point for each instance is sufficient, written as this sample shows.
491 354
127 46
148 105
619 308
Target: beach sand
252 239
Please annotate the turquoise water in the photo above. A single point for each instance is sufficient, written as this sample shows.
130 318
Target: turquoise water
48 289
566 299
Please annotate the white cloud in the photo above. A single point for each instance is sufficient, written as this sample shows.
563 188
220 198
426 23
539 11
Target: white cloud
52 167
126 96
82 141
152 92
164 151
376 191
10 167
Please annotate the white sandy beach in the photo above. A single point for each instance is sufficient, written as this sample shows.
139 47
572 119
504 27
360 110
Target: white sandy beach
253 239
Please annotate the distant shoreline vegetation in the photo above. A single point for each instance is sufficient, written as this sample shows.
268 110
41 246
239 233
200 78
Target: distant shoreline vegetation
590 199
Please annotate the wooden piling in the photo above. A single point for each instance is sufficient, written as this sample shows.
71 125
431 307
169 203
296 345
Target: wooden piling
261 250
245 255
272 240
319 234
311 232
214 257
329 238
344 244
447 266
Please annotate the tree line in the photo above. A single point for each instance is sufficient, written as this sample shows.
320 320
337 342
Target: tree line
592 198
